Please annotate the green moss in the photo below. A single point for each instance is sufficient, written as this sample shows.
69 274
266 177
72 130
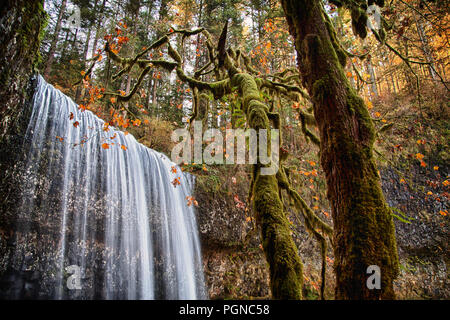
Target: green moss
320 89
279 248
20 40
364 233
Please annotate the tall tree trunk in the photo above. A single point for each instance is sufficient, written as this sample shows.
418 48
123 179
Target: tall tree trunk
74 42
97 30
373 79
65 43
85 53
425 47
163 11
54 42
285 266
364 232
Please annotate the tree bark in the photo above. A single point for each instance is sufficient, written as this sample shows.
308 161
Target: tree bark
20 36
364 232
286 278
97 31
425 47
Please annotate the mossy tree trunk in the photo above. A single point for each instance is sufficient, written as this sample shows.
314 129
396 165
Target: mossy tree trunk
21 25
364 233
286 278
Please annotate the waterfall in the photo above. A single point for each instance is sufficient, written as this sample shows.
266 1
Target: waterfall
95 223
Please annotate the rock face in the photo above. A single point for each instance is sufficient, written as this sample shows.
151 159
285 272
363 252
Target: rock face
423 243
235 266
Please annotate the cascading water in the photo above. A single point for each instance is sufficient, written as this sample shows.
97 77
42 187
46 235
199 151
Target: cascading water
110 216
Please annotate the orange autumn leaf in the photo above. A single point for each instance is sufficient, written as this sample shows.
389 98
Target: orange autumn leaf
76 124
419 156
113 100
105 146
123 147
176 182
71 116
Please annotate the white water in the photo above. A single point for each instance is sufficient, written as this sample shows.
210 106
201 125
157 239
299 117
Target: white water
114 213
